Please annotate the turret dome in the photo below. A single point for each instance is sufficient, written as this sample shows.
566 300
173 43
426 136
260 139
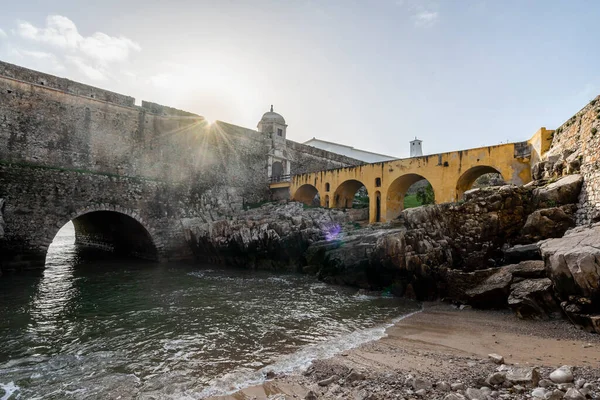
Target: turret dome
271 116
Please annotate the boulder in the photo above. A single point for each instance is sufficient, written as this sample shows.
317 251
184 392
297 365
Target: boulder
573 265
492 292
563 191
533 299
548 223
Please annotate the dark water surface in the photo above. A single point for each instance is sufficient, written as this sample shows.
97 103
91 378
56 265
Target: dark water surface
110 328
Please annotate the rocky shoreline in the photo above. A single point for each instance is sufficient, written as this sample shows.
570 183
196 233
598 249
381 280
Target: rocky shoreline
501 247
450 354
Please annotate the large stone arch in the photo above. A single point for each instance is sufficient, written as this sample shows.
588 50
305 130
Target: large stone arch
112 228
305 194
394 199
345 192
467 178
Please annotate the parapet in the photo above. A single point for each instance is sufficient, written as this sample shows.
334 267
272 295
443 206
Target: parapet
63 84
159 109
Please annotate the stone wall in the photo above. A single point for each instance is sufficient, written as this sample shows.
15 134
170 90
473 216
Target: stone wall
306 159
65 147
575 146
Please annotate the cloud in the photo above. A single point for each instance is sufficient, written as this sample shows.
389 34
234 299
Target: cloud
94 56
96 74
62 33
2 34
425 18
424 13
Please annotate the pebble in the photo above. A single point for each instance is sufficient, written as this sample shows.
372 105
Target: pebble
496 358
562 375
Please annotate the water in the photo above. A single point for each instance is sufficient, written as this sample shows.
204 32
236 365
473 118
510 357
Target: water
110 328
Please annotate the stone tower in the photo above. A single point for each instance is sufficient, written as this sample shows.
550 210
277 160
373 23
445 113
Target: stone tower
273 126
415 148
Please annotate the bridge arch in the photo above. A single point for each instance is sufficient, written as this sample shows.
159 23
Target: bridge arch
466 180
112 228
306 194
344 194
396 192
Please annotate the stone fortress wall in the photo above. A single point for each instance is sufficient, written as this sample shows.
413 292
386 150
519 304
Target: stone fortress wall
67 147
576 147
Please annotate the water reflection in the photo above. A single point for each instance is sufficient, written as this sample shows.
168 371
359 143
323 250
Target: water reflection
93 325
55 291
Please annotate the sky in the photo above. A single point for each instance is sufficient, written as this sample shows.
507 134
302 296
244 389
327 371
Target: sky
373 74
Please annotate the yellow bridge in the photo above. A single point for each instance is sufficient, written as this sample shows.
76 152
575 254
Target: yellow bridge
450 175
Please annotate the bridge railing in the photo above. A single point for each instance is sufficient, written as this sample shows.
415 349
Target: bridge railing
280 178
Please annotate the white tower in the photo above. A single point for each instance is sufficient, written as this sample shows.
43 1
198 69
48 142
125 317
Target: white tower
415 148
274 127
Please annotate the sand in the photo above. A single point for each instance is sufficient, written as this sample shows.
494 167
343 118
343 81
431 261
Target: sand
441 343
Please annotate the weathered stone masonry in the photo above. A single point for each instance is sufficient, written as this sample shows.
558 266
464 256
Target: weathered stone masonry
576 145
68 150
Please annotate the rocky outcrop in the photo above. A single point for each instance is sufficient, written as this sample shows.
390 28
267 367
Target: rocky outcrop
455 250
274 236
573 265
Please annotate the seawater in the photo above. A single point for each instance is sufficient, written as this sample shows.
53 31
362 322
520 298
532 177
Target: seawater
92 327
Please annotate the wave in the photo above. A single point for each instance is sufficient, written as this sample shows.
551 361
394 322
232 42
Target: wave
9 389
299 360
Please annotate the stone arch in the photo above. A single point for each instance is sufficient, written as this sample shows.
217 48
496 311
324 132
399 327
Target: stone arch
396 191
112 228
345 192
306 194
466 180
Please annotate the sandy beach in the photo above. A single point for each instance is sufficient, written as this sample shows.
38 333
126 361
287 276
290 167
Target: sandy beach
441 344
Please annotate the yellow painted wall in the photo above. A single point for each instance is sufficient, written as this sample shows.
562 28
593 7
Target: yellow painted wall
450 175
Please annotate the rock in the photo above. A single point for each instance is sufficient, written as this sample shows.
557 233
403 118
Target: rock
520 253
443 386
421 392
496 378
563 374
548 223
455 396
573 265
528 269
310 396
327 381
418 383
528 376
539 393
564 191
579 383
544 383
496 358
492 292
555 395
457 386
475 394
533 298
573 394
355 376
270 374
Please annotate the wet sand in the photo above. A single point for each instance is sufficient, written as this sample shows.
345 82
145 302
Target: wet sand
442 343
